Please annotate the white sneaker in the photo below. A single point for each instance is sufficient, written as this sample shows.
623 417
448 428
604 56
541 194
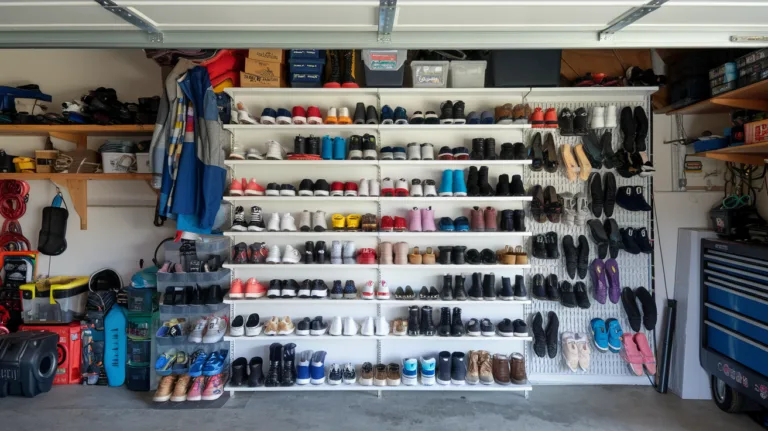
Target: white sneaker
273 225
349 253
363 189
196 336
319 223
583 212
367 291
254 154
305 221
382 292
336 327
401 184
350 326
274 254
414 151
374 188
382 327
570 351
237 153
215 331
343 112
252 326
430 188
368 328
287 223
598 117
237 329
243 116
610 116
416 188
275 151
585 353
291 255
427 151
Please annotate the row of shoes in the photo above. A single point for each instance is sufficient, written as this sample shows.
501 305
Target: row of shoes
204 380
193 295
481 288
610 239
398 254
569 295
341 253
634 349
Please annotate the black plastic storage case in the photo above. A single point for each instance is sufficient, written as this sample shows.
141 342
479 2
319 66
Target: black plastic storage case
28 361
523 68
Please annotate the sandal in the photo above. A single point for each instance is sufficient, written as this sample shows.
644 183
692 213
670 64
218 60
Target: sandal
164 363
537 204
521 257
553 205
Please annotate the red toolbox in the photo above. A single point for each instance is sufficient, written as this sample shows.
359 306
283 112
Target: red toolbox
69 350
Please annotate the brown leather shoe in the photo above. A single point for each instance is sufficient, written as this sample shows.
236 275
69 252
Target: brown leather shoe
518 113
504 114
366 374
428 258
385 253
501 369
181 388
380 375
415 257
486 368
490 219
519 376
393 374
401 253
522 256
506 256
369 223
473 367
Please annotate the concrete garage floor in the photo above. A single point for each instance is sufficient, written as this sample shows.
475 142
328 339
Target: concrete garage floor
571 408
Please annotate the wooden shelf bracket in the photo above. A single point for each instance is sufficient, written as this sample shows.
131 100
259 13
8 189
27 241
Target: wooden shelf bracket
78 193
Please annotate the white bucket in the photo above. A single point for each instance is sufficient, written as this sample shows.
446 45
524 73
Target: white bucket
118 163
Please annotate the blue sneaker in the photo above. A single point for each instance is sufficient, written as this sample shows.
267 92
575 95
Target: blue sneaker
284 116
462 224
614 335
446 224
268 116
165 362
459 186
317 368
350 291
428 366
387 115
486 118
473 118
337 292
327 148
302 368
387 153
410 375
197 360
401 117
446 186
599 334
215 363
339 148
398 153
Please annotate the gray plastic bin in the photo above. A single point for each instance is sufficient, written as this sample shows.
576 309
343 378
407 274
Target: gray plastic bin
384 67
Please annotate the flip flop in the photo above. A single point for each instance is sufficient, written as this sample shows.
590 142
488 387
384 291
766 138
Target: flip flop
649 361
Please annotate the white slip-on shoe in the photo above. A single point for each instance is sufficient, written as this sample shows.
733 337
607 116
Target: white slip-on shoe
382 291
336 327
427 151
598 117
416 188
367 291
382 327
273 225
430 188
196 336
319 223
291 255
610 117
362 188
254 154
243 116
350 326
274 254
253 327
287 223
367 329
275 151
414 151
305 221
374 188
237 329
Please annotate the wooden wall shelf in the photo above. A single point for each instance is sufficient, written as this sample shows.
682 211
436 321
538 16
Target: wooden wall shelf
754 154
754 96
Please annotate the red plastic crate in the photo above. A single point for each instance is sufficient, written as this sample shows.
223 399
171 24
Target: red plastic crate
69 349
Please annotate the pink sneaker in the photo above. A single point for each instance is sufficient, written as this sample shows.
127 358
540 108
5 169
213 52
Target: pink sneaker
213 389
649 361
428 220
631 355
196 391
490 219
414 220
237 187
253 188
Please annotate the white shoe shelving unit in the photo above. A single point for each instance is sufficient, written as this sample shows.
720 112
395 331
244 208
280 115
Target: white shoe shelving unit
359 349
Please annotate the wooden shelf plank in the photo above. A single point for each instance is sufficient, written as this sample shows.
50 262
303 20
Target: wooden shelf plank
76 129
754 154
82 177
754 96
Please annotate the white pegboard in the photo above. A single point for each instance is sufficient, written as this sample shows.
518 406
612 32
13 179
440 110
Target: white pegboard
634 270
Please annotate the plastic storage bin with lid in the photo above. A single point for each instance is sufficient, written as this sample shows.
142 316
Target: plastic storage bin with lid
467 74
384 67
56 299
430 74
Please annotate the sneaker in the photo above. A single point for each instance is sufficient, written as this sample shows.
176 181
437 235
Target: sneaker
417 118
615 333
238 222
319 289
599 334
394 376
368 292
427 366
401 117
287 223
348 374
237 187
410 371
366 374
317 368
570 351
371 116
302 368
350 189
252 326
318 327
350 327
215 330
382 291
446 112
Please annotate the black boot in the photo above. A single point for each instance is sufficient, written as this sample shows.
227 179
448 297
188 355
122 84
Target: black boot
490 149
506 223
457 326
507 151
521 293
256 376
506 293
289 367
476 290
457 254
238 371
518 220
320 252
444 328
482 182
489 287
473 187
313 145
334 79
459 293
445 255
413 321
516 186
502 187
348 78
447 293
309 252
478 149
427 326
299 145
274 372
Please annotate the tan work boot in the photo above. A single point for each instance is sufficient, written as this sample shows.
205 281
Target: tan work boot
486 368
473 367
164 389
181 388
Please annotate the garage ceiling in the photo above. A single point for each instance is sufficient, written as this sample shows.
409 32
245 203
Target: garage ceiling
355 23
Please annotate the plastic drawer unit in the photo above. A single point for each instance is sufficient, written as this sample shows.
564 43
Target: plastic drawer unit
734 336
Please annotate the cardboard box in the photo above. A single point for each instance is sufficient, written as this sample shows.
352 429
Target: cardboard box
268 55
756 132
45 160
256 67
264 80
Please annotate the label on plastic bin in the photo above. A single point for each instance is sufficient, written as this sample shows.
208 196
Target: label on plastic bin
383 60
430 75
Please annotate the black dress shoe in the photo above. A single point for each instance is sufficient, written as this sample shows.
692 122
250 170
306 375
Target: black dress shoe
552 287
539 291
567 296
553 326
570 253
536 153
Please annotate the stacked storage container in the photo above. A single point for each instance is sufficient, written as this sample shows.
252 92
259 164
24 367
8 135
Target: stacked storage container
142 314
305 67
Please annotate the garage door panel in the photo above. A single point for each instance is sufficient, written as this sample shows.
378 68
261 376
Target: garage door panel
686 14
52 16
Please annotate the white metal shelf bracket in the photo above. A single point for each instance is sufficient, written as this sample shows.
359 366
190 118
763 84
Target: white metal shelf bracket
131 16
628 18
387 12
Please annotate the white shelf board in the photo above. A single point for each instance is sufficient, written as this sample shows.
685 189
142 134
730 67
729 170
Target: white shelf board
414 267
490 91
479 127
591 92
456 198
372 337
262 163
356 387
450 234
440 303
383 302
279 301
256 127
399 163
331 233
303 198
239 91
297 266
344 234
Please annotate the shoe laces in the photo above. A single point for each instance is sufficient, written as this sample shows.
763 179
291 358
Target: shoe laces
256 215
240 216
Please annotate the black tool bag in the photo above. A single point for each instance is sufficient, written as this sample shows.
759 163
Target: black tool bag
53 232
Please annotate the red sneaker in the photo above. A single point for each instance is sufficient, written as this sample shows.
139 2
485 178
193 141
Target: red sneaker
400 224
337 188
387 224
537 118
299 115
550 118
253 289
387 187
401 189
253 188
236 290
314 116
237 187
366 256
350 189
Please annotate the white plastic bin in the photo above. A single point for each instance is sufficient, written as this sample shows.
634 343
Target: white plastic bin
430 74
467 74
118 163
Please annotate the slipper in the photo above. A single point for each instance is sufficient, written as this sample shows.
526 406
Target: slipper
649 361
569 161
583 162
553 205
165 362
631 355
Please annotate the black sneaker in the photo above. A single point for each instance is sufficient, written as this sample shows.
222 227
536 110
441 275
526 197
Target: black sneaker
446 112
521 329
520 292
582 259
502 186
371 116
539 291
337 291
649 307
553 326
549 155
629 301
596 195
516 186
319 290
444 153
355 147
506 292
299 145
609 190
313 145
565 123
599 236
641 239
302 328
615 242
551 286
507 151
536 153
539 250
537 204
256 224
320 252
519 151
641 128
473 328
369 147
335 376
290 289
458 113
273 189
306 187
238 222
487 328
580 123
627 122
582 298
539 336
322 188
287 190
506 328
551 245
431 118
628 239
359 117
571 255
309 253
609 156
567 296
444 368
458 368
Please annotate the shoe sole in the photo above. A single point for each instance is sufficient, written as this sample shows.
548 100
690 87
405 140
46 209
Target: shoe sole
569 161
583 162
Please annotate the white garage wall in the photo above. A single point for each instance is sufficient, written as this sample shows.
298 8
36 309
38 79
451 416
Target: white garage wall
117 236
